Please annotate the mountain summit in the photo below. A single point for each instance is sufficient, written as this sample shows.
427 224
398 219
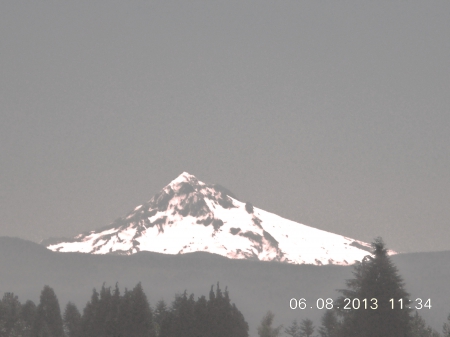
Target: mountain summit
188 216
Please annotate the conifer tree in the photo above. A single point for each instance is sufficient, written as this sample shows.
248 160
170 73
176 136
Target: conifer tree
420 329
11 322
89 326
293 330
72 321
212 296
217 313
29 317
213 314
201 317
48 315
141 314
225 320
220 313
125 320
265 329
103 315
378 282
167 325
418 326
108 314
236 323
183 315
114 312
160 313
446 328
106 317
240 326
329 326
306 328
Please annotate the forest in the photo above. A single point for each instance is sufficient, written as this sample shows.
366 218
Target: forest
112 313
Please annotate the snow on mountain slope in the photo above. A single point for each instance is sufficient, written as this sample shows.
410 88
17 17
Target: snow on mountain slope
188 216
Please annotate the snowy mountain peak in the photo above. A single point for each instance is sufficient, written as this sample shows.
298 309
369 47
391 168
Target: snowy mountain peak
188 215
184 178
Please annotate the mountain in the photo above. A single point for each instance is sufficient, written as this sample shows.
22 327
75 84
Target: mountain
189 216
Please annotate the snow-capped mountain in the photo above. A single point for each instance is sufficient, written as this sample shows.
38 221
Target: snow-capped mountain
189 216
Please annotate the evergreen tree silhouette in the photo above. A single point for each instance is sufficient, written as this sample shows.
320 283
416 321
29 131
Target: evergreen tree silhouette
377 280
306 328
265 329
167 325
89 324
330 324
183 311
29 317
104 314
201 314
141 314
420 329
11 321
240 326
125 317
114 314
293 330
219 314
224 319
110 315
446 327
212 312
160 313
212 295
72 321
215 317
48 315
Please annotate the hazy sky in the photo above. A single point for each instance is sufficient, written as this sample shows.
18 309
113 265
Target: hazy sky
332 114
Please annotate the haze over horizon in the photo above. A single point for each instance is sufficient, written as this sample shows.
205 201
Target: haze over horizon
334 115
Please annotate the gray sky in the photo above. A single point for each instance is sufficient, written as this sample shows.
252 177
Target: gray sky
332 114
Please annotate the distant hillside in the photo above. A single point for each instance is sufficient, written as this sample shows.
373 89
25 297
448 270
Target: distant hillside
254 286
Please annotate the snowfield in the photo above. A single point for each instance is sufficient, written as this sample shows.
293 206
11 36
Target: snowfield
188 216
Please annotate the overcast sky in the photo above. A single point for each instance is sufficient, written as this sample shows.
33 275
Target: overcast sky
332 114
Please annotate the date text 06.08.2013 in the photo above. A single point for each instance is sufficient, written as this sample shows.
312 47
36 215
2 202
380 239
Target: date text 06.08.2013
357 304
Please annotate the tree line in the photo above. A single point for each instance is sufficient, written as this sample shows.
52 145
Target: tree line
112 314
376 277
